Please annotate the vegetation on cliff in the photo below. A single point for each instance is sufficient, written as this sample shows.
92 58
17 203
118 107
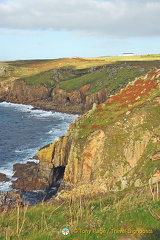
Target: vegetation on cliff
115 149
129 214
71 84
111 156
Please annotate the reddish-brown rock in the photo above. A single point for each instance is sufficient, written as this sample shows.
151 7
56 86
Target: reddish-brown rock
3 178
20 92
27 177
75 101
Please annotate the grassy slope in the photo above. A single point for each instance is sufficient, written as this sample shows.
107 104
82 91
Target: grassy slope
52 77
24 68
114 76
135 100
73 72
132 209
129 210
131 97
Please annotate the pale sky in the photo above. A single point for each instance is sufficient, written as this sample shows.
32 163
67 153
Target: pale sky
32 29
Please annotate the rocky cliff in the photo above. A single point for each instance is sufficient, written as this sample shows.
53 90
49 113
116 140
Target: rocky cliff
66 89
113 146
76 101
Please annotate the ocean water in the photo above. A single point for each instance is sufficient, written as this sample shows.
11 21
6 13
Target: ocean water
23 131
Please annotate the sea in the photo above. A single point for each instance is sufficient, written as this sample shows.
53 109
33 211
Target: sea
23 131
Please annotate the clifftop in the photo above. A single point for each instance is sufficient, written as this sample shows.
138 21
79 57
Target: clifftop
109 160
113 145
69 85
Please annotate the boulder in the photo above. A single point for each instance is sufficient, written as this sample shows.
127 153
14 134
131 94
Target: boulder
27 176
3 178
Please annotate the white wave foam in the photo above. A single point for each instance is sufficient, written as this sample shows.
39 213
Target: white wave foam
18 151
50 132
65 115
33 160
40 114
26 150
8 171
62 116
21 107
38 191
5 186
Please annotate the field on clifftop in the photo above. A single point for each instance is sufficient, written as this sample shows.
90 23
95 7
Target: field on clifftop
111 184
70 84
73 69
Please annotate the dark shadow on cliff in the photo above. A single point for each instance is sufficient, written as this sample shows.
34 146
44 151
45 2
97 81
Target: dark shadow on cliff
58 174
34 197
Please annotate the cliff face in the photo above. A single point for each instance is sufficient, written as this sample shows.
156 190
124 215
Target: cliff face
67 85
53 156
113 146
79 96
78 101
19 92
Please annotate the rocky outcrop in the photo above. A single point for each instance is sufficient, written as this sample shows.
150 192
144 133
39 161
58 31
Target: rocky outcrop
27 177
79 96
75 101
3 178
97 98
104 157
5 85
109 147
90 156
20 92
76 96
107 154
53 159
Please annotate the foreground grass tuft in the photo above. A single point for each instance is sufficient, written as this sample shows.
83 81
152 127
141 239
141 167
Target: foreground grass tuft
115 215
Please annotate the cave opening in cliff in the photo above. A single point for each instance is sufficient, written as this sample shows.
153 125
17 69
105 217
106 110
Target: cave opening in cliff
58 174
56 179
68 99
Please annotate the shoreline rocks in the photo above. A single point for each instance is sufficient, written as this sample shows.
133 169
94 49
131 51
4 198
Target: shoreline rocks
27 176
4 178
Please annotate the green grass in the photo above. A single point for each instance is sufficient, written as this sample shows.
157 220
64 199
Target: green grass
74 73
52 77
131 209
120 130
113 77
24 68
107 114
